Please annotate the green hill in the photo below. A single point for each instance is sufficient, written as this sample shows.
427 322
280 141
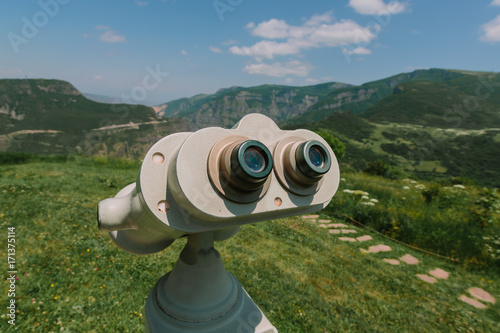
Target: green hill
426 152
461 102
52 116
56 105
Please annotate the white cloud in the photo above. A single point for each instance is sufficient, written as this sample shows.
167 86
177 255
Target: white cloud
491 31
102 27
110 36
317 32
311 80
378 7
318 19
141 3
98 77
266 49
288 80
358 50
495 3
272 29
184 52
279 69
215 49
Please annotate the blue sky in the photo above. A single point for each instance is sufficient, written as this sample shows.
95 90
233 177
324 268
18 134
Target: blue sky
153 51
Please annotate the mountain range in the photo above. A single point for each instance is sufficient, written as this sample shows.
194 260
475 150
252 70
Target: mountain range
53 117
432 123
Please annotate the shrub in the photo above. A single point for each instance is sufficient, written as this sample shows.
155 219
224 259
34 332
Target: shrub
454 222
7 158
381 168
337 146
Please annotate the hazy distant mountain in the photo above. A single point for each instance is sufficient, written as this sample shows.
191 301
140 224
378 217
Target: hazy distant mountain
227 106
417 97
358 99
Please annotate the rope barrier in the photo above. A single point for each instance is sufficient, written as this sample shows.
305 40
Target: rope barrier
402 243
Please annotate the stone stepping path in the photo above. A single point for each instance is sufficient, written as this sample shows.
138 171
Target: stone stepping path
309 217
471 301
359 239
341 231
426 278
377 249
478 295
481 295
392 261
347 239
409 259
337 225
364 238
439 273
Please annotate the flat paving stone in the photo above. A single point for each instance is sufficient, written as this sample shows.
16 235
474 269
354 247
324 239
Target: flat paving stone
364 238
439 273
337 225
409 259
481 295
323 226
310 216
474 302
392 261
377 248
426 278
324 221
348 231
334 231
347 239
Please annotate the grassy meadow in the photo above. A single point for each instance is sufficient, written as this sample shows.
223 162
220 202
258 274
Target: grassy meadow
72 278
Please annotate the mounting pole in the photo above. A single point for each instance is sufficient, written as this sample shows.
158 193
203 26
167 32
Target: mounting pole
199 295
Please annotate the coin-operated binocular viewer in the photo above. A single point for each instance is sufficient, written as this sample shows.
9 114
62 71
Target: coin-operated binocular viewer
204 186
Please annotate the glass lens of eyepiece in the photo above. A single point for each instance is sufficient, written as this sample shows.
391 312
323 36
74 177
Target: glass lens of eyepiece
251 160
316 156
254 159
313 159
250 165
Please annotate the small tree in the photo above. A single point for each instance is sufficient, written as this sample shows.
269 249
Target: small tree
337 146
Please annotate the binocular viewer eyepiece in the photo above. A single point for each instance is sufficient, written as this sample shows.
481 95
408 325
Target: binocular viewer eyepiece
245 166
218 179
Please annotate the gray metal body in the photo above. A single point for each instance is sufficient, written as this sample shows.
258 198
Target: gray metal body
179 193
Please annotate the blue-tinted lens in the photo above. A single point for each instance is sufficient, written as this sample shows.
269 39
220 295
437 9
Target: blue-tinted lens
316 156
254 160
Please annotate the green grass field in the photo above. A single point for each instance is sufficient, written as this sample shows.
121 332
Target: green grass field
72 278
